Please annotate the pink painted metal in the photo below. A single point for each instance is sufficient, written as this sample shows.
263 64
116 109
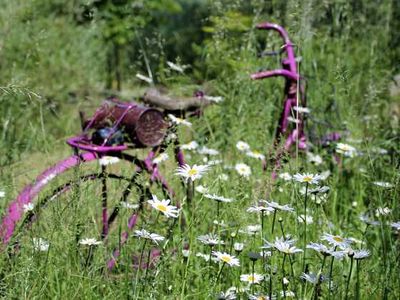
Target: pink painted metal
15 210
294 97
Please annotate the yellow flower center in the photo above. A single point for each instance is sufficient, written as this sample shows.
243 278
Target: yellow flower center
226 258
161 207
338 239
307 179
193 172
251 278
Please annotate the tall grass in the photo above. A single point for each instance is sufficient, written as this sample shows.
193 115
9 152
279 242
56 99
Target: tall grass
347 69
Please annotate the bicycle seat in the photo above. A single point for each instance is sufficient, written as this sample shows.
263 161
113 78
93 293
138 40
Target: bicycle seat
161 99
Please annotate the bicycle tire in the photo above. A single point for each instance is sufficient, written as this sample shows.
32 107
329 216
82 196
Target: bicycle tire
46 203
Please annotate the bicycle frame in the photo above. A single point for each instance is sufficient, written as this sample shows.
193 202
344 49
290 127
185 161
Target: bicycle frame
294 96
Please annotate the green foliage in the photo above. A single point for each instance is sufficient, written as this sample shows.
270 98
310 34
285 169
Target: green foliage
57 55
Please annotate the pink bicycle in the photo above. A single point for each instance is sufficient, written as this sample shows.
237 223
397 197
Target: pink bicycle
112 133
50 204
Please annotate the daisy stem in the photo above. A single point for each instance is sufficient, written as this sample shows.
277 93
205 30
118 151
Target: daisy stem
357 292
318 284
348 279
283 276
252 274
273 222
190 191
140 264
148 265
89 256
330 273
209 262
305 229
218 215
219 274
262 225
270 282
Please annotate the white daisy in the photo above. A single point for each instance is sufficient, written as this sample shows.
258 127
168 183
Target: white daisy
217 198
285 176
367 220
336 240
260 297
175 67
201 189
310 277
307 178
108 160
396 225
252 278
260 208
207 151
286 246
28 207
216 99
144 78
226 258
190 146
206 257
293 120
361 254
317 190
314 158
288 294
382 211
346 150
243 169
255 154
179 121
251 229
40 244
300 109
325 174
147 235
338 254
2 194
223 177
383 184
321 248
185 253
192 173
159 159
277 206
164 207
129 205
210 239
242 146
89 242
309 219
238 247
215 162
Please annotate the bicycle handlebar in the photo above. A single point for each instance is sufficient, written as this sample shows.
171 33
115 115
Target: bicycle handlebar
287 47
272 73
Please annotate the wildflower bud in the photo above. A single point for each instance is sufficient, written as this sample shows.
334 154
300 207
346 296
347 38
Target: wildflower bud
350 253
238 247
233 235
254 256
285 281
354 204
185 253
280 220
